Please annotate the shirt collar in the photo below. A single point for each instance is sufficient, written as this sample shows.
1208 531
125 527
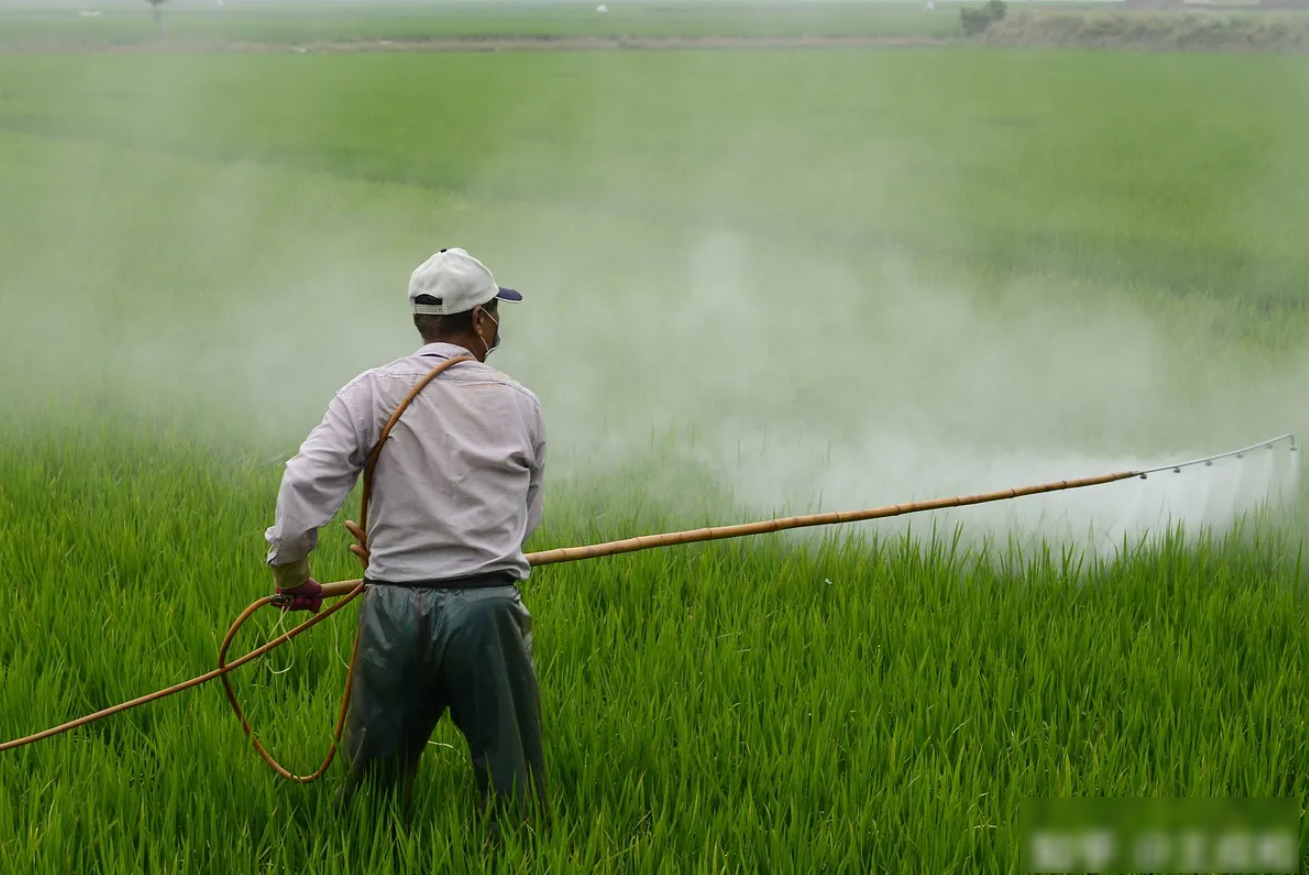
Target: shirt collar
443 349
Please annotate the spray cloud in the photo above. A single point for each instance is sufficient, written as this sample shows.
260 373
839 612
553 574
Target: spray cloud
716 291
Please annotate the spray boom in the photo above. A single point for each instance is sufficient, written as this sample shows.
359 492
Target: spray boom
647 542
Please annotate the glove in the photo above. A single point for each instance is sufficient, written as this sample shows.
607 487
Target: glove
308 596
295 581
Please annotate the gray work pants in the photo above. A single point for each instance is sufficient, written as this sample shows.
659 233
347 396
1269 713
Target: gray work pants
422 650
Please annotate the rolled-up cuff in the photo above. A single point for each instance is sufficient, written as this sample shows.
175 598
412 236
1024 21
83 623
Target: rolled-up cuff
291 575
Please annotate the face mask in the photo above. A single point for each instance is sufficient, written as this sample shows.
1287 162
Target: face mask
495 342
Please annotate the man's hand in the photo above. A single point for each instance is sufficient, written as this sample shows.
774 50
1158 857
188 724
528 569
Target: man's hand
308 596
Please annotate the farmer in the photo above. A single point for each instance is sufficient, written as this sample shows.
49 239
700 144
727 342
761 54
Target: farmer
456 491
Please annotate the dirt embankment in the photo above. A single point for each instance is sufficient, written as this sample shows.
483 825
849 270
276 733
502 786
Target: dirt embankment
574 44
486 44
1138 30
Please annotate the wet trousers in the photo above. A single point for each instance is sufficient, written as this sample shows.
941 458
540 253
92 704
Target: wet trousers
469 649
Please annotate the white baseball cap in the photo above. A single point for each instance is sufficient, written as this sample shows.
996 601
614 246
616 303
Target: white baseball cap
459 283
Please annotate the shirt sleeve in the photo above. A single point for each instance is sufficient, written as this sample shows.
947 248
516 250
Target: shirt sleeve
315 484
535 497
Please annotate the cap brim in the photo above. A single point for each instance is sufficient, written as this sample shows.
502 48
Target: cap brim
508 294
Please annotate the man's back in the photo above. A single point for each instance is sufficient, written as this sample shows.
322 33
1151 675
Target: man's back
457 487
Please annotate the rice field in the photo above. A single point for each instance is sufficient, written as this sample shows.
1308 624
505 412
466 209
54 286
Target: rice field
756 283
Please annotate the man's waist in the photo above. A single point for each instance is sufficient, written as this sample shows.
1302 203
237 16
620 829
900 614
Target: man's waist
470 581
409 565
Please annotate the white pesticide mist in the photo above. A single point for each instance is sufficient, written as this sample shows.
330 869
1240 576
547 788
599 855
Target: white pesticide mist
669 337
806 372
930 395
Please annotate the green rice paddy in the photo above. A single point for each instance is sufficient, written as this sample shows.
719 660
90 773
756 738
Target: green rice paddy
197 250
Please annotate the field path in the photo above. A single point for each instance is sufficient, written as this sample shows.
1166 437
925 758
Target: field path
505 44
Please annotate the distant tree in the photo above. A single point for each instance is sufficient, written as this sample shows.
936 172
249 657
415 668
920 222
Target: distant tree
157 11
974 21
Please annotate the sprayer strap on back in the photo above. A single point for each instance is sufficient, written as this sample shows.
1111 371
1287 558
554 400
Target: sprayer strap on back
360 529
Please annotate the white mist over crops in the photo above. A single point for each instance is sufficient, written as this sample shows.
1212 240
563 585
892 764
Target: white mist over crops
902 390
755 353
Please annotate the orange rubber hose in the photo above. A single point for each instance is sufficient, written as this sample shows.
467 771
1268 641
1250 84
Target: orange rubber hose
224 668
177 688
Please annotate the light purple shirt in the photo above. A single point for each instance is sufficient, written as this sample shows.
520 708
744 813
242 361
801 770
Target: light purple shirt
456 489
